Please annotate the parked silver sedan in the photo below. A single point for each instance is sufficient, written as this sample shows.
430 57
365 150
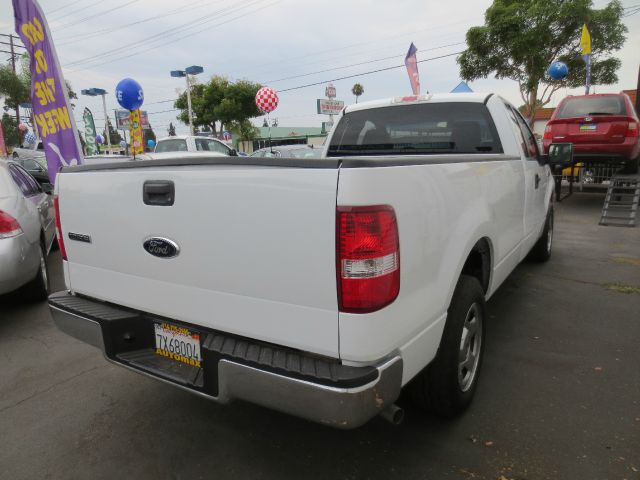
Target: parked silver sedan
27 232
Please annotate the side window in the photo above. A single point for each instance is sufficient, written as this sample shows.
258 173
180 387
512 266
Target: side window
218 147
32 165
33 183
202 145
23 180
530 144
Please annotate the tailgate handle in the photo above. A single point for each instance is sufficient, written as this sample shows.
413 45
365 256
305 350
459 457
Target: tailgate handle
158 192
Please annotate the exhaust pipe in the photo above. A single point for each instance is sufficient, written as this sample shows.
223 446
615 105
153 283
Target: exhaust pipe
393 414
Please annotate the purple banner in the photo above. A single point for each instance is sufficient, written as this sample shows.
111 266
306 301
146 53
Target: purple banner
411 63
51 107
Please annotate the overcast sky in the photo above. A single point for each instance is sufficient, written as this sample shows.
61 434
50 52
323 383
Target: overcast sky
269 41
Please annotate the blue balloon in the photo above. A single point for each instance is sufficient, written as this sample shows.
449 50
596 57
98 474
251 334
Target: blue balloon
129 94
99 139
151 143
558 70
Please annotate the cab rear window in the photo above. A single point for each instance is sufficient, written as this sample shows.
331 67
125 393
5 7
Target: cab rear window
587 106
424 128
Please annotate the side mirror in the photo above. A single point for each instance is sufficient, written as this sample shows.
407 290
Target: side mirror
47 188
560 154
233 152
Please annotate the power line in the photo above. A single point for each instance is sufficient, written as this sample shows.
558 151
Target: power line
111 9
63 7
75 12
163 34
357 64
66 40
365 73
184 36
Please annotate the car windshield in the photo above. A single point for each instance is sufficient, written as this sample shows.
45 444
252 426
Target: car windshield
173 145
585 106
424 128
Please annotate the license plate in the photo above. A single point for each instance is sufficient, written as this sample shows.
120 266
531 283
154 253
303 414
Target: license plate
178 343
588 127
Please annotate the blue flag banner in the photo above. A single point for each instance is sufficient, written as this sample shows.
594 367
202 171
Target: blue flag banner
462 87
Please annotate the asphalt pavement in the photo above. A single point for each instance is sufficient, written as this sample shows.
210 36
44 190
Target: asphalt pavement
559 393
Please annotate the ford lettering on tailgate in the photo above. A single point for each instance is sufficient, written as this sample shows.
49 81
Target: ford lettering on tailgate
161 247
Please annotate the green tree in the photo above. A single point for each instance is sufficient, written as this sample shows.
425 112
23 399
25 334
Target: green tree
114 135
521 38
357 90
148 134
245 130
219 102
10 127
14 87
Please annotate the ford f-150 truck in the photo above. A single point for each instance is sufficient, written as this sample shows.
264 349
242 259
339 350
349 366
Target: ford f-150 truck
317 287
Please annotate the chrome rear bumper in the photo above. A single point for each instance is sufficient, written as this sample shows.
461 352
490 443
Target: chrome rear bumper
290 392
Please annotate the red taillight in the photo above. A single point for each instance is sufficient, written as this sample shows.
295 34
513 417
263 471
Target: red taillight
368 258
547 133
632 130
56 207
9 226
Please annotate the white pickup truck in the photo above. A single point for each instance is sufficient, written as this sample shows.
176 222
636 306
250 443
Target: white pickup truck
316 287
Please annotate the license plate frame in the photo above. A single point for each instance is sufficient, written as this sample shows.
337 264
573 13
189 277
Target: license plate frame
588 127
178 343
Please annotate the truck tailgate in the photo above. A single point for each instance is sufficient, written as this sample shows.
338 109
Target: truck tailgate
256 247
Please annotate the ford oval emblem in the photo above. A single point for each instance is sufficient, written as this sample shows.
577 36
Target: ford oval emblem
588 119
161 247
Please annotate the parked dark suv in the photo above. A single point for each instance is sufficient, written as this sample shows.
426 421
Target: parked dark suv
602 127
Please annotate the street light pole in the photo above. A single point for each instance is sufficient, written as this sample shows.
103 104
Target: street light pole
94 92
106 122
191 130
187 73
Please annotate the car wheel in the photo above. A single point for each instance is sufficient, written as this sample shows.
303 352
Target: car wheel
541 251
446 387
38 288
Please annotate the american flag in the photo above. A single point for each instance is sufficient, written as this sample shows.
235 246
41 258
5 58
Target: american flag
411 63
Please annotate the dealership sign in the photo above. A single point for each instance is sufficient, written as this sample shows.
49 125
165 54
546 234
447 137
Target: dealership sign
330 91
330 107
122 120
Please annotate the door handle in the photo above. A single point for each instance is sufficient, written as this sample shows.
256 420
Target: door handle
537 180
158 192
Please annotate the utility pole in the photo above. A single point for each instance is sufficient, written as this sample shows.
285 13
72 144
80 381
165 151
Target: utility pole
13 66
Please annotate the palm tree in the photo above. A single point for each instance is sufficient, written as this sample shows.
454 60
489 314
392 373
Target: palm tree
357 90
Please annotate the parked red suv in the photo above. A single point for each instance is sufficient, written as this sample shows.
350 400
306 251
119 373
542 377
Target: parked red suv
600 126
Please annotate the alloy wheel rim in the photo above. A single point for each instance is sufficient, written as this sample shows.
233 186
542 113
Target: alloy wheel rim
470 347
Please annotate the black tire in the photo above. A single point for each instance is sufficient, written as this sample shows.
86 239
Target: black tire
541 251
445 387
38 288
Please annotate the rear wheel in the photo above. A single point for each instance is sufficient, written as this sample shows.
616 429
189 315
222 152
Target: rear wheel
541 251
38 288
446 387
